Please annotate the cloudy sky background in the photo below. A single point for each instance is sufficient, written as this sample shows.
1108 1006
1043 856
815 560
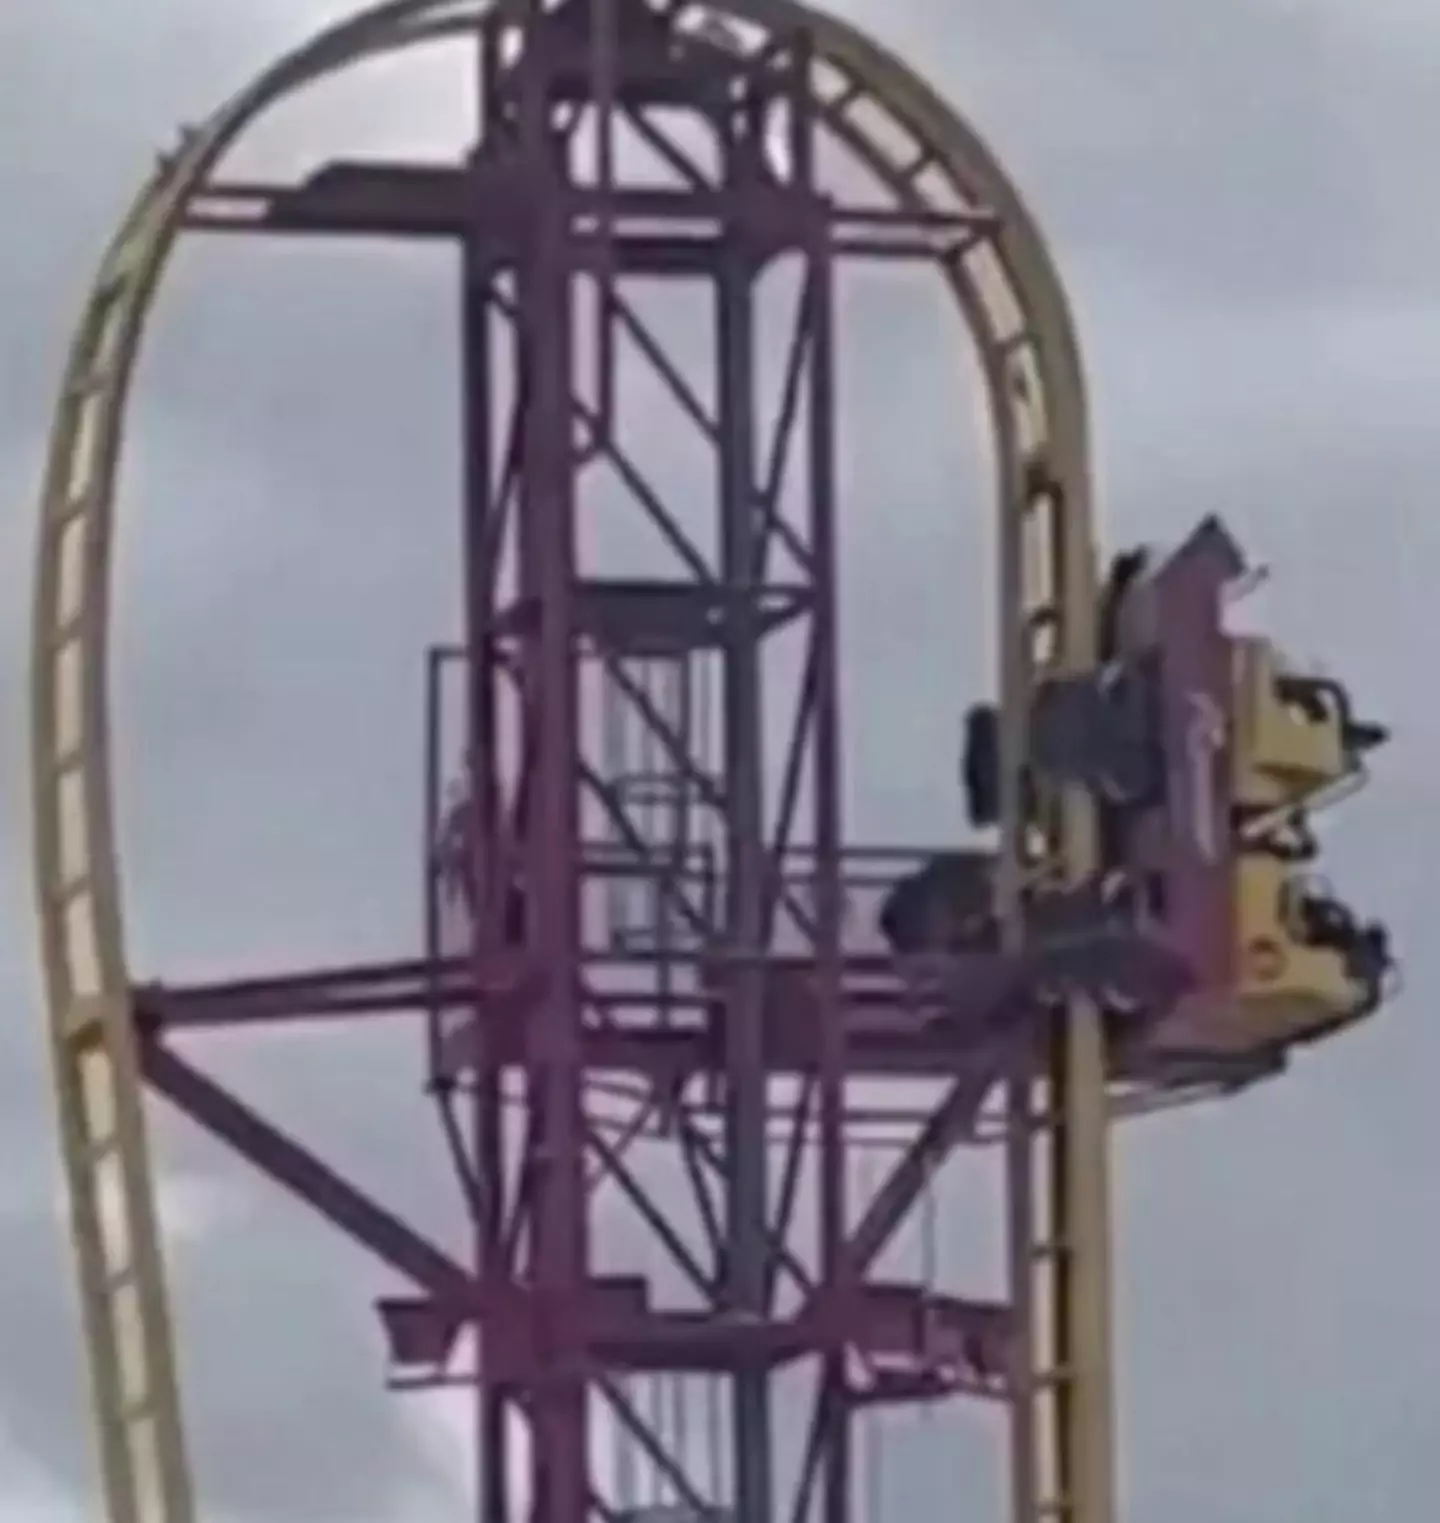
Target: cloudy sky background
1239 197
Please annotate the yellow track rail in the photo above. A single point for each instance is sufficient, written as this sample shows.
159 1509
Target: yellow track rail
1012 301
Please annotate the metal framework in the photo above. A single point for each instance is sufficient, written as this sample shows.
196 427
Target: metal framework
620 911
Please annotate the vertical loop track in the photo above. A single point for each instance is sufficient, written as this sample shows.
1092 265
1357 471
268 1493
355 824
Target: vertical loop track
1010 298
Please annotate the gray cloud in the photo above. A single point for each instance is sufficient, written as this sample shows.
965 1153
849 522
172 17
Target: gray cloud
281 1364
1234 197
1257 154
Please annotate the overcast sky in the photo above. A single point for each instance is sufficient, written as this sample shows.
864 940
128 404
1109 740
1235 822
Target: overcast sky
1241 196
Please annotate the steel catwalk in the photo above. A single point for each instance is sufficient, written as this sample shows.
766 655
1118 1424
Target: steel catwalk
554 1331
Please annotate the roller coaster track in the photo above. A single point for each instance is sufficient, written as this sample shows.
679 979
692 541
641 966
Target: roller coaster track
1010 297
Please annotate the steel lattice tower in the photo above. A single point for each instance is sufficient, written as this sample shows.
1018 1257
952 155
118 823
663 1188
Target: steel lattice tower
740 1047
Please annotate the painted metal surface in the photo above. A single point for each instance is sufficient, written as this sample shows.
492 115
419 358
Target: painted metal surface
559 1330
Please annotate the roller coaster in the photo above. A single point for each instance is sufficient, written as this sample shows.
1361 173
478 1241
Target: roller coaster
646 926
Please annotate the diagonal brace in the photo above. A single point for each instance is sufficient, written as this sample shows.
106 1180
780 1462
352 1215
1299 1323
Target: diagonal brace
304 1175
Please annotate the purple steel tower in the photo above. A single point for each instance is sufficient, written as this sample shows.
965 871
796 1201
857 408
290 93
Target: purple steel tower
632 877
642 915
